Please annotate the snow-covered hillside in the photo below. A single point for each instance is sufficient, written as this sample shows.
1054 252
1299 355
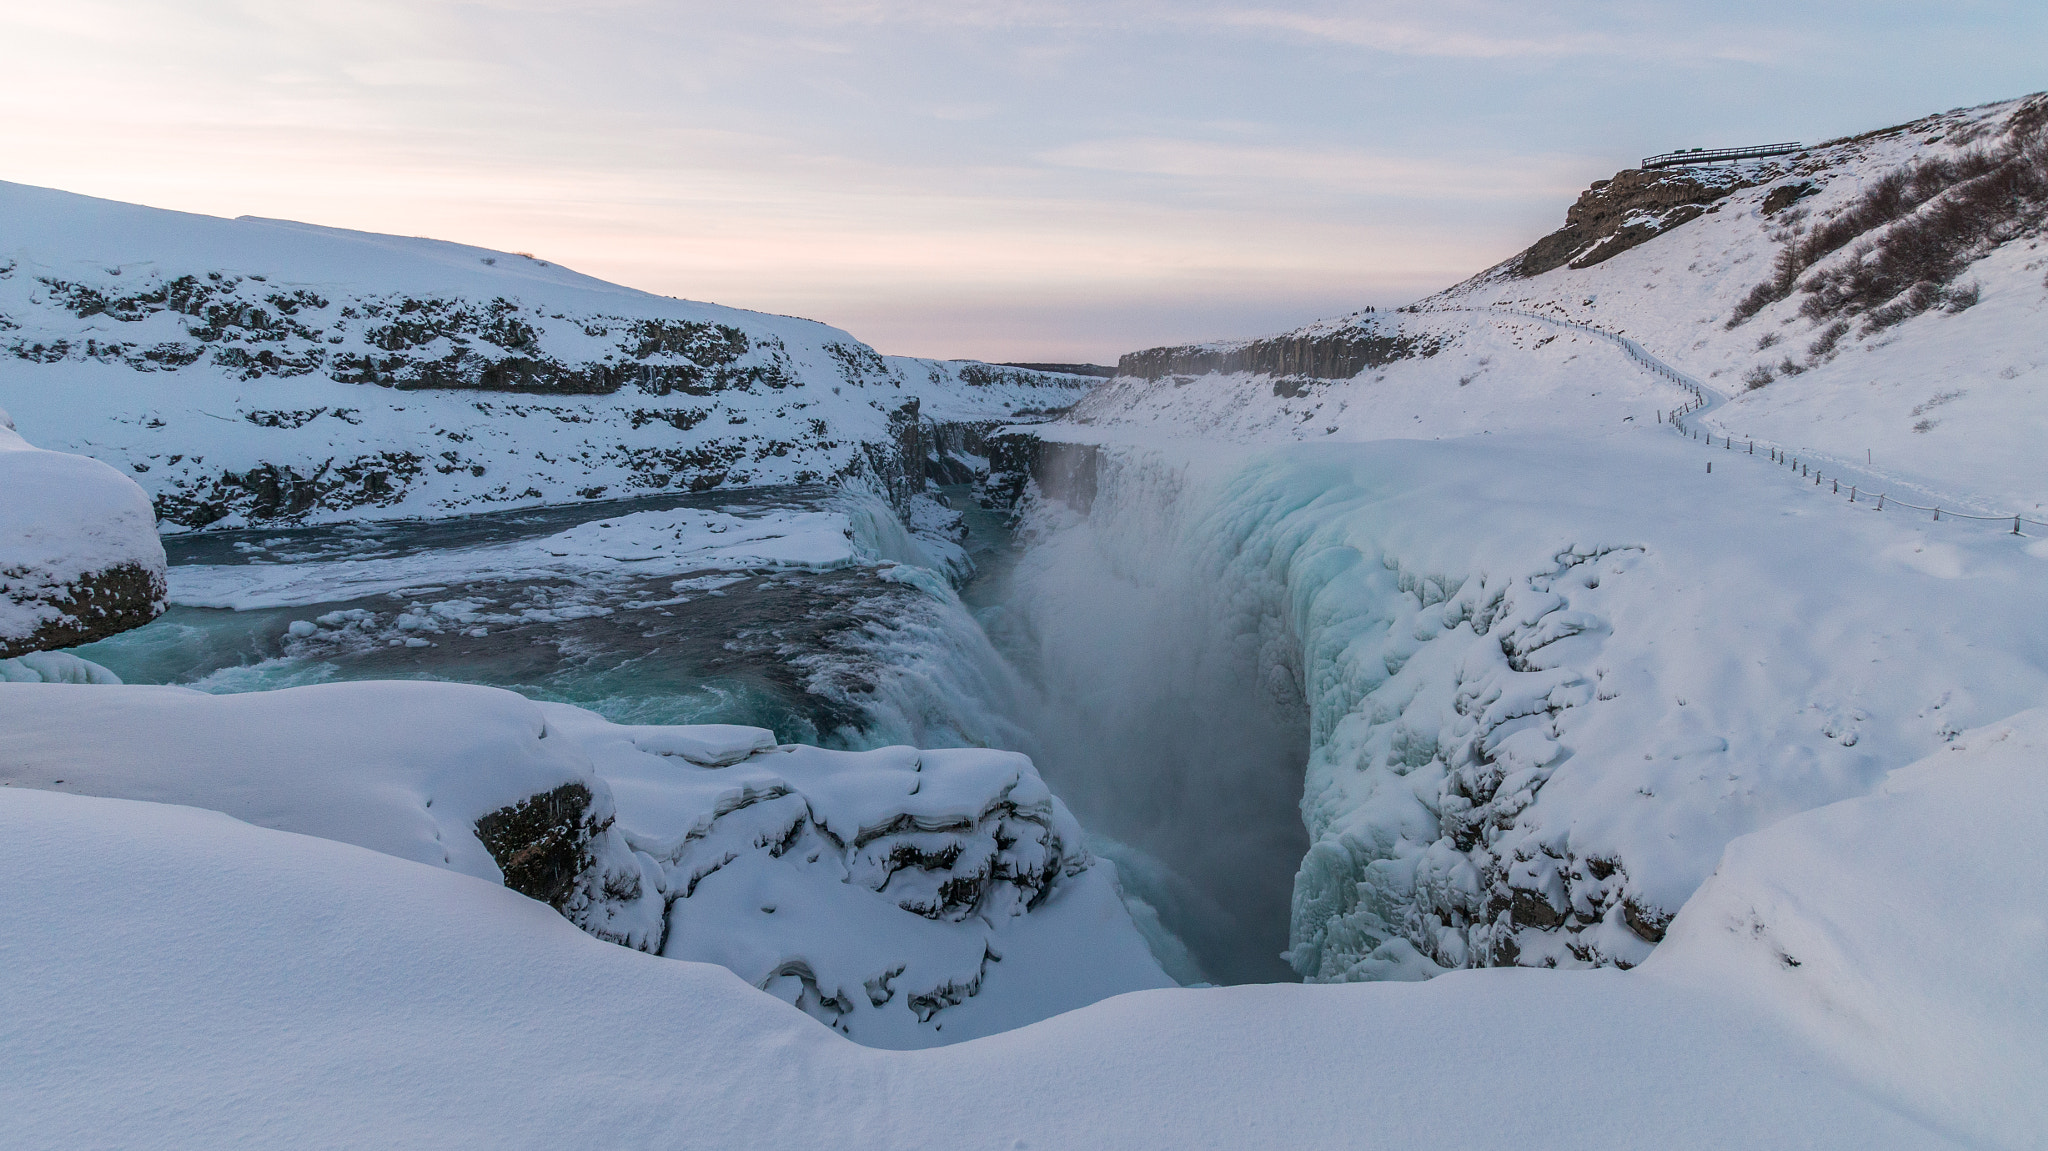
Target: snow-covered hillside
260 371
1877 301
1553 654
903 897
1881 301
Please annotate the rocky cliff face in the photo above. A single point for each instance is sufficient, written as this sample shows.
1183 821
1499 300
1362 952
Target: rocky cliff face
1617 214
1334 353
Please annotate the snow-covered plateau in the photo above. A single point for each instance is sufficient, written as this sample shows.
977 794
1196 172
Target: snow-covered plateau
1567 677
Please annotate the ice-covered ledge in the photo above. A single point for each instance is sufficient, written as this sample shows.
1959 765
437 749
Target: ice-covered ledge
79 555
904 898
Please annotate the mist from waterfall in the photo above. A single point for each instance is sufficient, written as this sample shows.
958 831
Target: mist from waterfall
1162 704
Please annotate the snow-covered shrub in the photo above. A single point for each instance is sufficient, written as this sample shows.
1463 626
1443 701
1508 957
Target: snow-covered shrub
1824 345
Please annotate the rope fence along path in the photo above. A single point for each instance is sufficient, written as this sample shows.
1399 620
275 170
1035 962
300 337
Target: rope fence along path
1705 398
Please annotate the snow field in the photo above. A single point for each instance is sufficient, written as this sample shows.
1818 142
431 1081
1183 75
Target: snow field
198 982
1831 917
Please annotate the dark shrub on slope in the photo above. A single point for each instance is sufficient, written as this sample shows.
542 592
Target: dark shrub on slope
1930 221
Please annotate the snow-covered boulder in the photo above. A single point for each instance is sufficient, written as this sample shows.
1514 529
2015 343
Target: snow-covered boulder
904 897
451 775
79 555
260 371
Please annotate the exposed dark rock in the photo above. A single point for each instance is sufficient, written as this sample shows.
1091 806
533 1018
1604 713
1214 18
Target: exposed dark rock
542 843
1617 214
896 465
1785 195
1532 909
1648 923
1065 472
1102 371
277 492
957 452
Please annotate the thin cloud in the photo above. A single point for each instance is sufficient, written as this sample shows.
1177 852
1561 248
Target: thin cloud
1502 31
1379 173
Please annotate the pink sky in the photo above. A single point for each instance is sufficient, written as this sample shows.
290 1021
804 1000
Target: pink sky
1003 181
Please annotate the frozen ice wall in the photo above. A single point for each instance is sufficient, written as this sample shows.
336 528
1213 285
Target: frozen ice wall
1536 690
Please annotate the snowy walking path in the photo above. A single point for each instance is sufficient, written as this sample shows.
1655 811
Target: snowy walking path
1863 484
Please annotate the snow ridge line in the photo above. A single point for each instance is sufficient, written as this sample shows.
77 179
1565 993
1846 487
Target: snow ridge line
1706 397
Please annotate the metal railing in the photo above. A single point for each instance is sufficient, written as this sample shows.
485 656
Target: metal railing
1717 155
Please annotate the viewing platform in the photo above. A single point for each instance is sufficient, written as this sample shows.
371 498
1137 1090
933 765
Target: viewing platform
1717 155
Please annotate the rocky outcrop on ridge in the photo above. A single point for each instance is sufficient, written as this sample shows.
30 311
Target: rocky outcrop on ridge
1623 211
